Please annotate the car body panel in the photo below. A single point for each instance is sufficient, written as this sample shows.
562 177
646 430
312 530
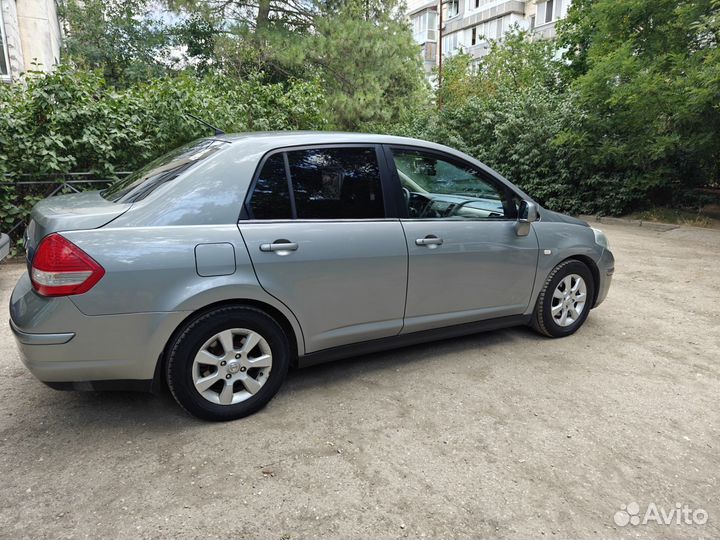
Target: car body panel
182 249
482 269
125 346
346 281
153 269
557 241
76 211
606 267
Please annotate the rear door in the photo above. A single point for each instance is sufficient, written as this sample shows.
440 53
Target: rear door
316 228
466 262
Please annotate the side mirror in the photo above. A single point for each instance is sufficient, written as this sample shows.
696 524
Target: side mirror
528 213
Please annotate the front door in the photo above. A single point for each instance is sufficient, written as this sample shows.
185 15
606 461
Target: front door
466 262
320 243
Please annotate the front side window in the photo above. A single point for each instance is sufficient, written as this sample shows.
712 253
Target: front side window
436 188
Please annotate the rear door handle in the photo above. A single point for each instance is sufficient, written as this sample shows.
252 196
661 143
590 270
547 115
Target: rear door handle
430 240
279 245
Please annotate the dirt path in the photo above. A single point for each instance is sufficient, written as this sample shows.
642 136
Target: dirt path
503 434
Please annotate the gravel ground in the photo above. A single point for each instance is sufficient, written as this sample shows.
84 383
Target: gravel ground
503 434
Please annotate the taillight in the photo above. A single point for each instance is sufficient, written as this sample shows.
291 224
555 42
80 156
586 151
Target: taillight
60 268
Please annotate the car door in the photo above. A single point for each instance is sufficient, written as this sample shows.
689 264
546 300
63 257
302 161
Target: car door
320 242
466 260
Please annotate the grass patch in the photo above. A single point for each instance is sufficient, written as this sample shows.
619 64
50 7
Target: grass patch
678 217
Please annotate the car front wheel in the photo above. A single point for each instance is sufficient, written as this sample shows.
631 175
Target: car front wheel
565 300
227 363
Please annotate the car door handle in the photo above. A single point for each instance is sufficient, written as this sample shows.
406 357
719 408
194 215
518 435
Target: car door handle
429 240
279 245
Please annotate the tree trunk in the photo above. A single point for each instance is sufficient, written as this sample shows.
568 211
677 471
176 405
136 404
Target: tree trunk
263 16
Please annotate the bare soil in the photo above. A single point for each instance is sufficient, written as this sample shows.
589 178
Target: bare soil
503 434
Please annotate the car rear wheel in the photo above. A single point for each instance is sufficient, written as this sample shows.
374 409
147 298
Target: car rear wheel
227 363
565 300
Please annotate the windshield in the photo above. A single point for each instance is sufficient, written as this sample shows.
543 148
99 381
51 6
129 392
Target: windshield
142 182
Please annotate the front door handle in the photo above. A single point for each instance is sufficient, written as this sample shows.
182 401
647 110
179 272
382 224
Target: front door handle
279 246
430 240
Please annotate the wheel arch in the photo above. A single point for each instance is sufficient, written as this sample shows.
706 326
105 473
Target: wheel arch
594 271
293 338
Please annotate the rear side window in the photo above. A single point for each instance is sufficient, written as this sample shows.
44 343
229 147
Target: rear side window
165 169
336 183
327 183
271 196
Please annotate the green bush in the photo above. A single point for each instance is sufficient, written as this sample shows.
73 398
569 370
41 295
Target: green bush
623 128
71 121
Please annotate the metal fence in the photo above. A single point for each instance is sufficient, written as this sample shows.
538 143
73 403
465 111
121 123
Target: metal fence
17 198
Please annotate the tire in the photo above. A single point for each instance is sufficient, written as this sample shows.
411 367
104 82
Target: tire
548 318
198 355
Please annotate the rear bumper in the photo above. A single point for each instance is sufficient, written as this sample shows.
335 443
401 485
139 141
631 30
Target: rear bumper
27 338
606 269
65 348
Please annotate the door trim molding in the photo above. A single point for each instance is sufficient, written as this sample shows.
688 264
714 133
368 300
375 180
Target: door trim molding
414 338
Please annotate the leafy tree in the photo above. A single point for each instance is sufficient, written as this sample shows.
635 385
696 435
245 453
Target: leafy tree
518 62
133 40
361 50
645 75
368 62
71 120
511 112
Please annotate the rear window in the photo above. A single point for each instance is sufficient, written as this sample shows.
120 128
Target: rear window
145 180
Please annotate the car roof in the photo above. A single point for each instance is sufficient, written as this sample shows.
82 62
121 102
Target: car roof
291 138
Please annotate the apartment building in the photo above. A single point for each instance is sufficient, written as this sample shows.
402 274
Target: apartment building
470 25
29 37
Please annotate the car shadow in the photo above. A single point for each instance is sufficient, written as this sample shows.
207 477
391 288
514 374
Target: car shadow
363 365
136 411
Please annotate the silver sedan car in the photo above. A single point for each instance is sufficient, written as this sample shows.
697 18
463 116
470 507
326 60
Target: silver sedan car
218 266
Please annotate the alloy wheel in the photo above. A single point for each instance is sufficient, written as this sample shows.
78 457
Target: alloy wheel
568 301
232 366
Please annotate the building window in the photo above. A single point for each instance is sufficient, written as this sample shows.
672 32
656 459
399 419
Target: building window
480 3
4 67
453 8
451 44
532 22
549 10
494 29
424 26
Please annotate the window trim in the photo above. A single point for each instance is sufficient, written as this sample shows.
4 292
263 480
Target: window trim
5 49
551 12
502 187
389 203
